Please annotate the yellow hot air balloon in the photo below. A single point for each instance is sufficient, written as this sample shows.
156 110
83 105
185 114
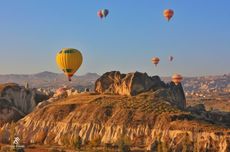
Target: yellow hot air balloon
177 78
69 61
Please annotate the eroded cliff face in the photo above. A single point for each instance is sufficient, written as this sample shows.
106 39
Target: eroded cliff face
143 109
17 101
144 119
132 84
7 113
214 116
125 84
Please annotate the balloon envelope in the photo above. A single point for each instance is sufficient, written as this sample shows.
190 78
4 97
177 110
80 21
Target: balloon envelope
69 61
99 14
170 58
155 60
168 14
105 12
177 78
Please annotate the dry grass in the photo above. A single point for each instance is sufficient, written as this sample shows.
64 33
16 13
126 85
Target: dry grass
120 110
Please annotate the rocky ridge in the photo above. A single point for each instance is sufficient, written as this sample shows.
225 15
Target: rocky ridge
135 83
124 105
17 101
144 119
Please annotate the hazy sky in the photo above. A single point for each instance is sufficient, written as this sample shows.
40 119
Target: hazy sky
33 31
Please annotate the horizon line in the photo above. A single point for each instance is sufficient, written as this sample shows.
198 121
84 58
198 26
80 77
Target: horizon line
5 74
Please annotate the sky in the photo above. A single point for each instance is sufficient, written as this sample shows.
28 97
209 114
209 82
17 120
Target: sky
198 36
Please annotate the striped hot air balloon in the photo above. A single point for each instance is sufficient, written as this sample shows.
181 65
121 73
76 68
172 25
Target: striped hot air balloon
155 60
177 78
103 13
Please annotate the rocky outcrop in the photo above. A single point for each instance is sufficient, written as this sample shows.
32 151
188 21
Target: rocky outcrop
214 116
126 84
60 93
17 101
8 112
144 119
132 84
177 95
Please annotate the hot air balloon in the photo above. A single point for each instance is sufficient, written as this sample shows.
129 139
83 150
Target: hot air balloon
171 58
69 61
168 14
99 14
155 60
105 12
177 78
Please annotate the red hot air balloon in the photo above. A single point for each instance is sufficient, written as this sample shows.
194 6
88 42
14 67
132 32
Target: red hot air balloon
99 14
168 14
103 13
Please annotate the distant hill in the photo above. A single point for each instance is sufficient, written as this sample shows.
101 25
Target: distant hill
50 80
53 80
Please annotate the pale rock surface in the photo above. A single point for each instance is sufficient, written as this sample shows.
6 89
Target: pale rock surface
110 116
125 84
132 84
17 101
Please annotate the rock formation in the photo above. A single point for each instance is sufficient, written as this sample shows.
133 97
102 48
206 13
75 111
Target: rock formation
60 93
126 84
8 112
135 83
214 116
177 94
144 119
17 101
144 109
